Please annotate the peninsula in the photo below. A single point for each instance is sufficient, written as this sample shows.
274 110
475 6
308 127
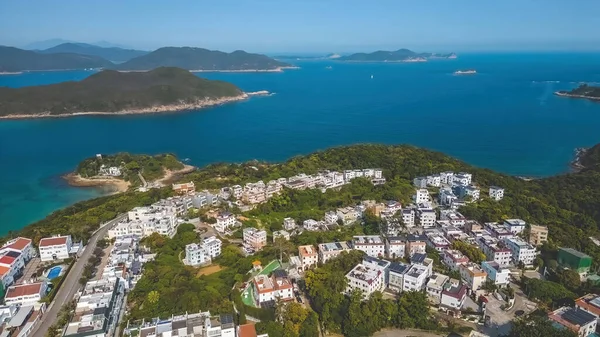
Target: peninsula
582 91
200 59
111 92
17 60
400 55
113 54
124 170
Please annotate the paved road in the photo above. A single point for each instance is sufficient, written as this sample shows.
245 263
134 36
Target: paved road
71 284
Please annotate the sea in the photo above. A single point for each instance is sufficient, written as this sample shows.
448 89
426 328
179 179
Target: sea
505 118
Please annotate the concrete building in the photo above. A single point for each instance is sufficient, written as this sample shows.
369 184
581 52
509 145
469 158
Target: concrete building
267 289
395 247
579 321
515 226
192 325
55 248
437 241
521 251
416 244
473 276
310 225
435 286
415 278
330 250
254 238
289 224
434 180
427 218
23 246
454 217
366 279
589 303
496 193
372 245
408 217
454 259
494 250
447 177
26 294
309 257
196 255
575 260
538 234
283 234
422 196
500 276
184 188
225 220
420 182
331 217
382 265
454 297
396 273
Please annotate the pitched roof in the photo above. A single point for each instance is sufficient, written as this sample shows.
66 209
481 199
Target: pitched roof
60 240
7 260
24 290
19 244
3 270
247 330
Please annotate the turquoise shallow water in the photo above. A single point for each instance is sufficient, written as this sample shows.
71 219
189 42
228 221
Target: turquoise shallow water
504 118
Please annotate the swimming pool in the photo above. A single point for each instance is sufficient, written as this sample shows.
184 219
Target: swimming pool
54 272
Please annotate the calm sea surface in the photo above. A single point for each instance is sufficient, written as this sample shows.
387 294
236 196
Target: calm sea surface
504 118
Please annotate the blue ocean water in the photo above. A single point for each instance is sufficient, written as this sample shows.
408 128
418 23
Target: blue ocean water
505 118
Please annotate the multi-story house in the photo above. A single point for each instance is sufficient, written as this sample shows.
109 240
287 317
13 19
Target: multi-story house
347 214
454 297
268 289
420 182
538 234
455 218
20 245
408 217
331 217
184 188
328 251
283 234
55 248
447 177
367 279
212 245
308 257
372 245
225 220
496 193
254 238
494 250
196 255
437 241
26 294
446 197
434 180
310 225
435 286
454 259
473 276
515 226
521 251
427 218
463 178
500 276
422 196
579 321
395 247
415 278
396 275
289 224
416 244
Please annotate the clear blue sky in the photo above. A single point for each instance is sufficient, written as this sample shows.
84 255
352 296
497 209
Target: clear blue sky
309 25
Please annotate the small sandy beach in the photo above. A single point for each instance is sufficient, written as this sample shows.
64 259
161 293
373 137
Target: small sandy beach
171 176
112 184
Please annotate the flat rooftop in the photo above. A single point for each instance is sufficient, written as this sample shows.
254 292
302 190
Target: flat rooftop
333 246
368 240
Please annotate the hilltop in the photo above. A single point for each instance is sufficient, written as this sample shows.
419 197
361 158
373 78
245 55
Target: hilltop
400 55
113 92
113 54
15 60
202 59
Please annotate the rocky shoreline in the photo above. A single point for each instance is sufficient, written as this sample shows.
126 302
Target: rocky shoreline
113 185
576 164
200 104
566 94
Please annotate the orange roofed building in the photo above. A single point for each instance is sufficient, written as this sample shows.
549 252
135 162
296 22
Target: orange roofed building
268 288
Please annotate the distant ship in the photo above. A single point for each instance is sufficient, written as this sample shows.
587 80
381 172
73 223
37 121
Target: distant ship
465 72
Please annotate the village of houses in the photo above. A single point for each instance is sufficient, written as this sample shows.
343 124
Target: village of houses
395 261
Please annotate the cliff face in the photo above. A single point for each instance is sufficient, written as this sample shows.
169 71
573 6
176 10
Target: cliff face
110 91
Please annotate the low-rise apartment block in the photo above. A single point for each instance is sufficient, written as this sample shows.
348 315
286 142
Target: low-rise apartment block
415 278
435 286
473 276
26 294
367 279
538 235
454 259
267 289
579 321
395 247
372 245
500 276
496 193
330 250
521 251
55 248
254 238
308 257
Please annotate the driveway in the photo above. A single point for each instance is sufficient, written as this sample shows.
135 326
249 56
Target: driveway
500 319
71 284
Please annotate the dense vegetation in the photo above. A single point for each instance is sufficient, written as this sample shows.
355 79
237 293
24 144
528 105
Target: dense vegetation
391 56
537 326
112 91
590 158
111 54
200 59
151 167
15 59
584 90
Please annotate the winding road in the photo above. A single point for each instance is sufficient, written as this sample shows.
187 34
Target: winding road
71 284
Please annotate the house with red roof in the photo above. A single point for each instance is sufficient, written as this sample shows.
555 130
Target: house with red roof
26 294
55 248
20 245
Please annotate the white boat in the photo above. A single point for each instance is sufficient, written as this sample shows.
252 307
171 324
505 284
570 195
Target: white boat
371 76
465 72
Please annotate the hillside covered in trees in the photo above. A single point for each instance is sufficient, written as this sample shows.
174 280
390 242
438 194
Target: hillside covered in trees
111 91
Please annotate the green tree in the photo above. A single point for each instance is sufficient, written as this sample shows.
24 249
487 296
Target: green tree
537 326
569 278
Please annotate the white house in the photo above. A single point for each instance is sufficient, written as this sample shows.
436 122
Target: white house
415 278
225 220
454 259
330 250
289 224
435 286
365 278
268 289
396 273
310 225
395 247
437 241
420 182
434 180
427 218
55 248
422 196
515 226
308 256
254 238
579 321
462 178
446 197
494 250
521 251
212 245
496 193
331 217
408 217
454 297
447 177
372 245
281 234
196 255
500 276
26 294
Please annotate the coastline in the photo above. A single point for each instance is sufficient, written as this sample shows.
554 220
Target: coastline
206 103
274 70
566 94
11 72
113 184
171 176
576 165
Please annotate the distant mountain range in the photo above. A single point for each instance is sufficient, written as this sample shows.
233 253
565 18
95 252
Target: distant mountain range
201 59
14 60
81 56
304 57
109 91
46 44
113 54
400 55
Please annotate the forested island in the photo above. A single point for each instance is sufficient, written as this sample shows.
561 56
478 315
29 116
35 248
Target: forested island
113 54
582 91
567 204
17 60
113 93
200 59
400 55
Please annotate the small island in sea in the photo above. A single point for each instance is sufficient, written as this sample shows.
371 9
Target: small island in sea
200 59
111 92
582 91
400 55
123 170
465 72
